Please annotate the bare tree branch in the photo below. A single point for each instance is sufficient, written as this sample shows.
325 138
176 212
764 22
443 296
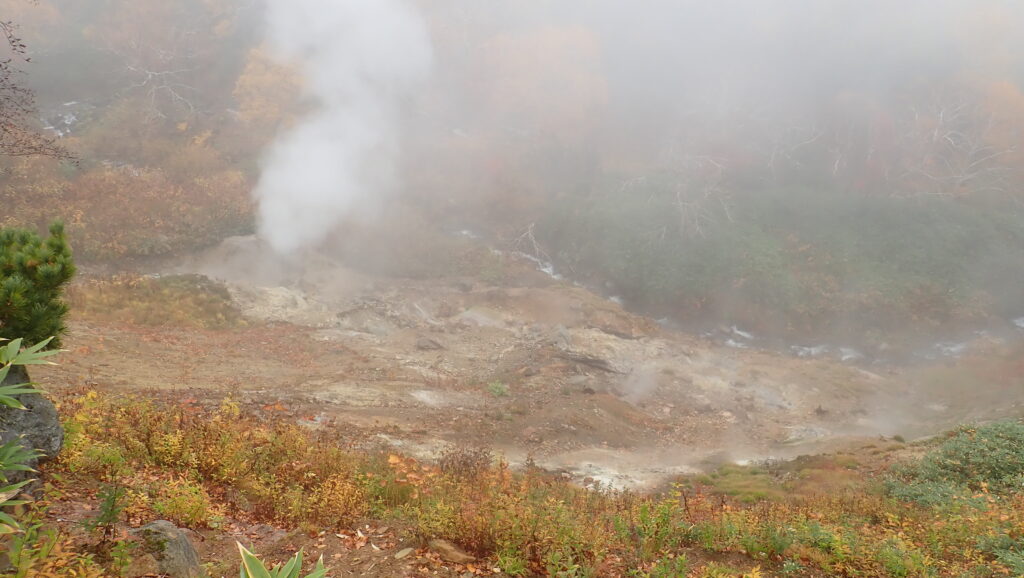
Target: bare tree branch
18 135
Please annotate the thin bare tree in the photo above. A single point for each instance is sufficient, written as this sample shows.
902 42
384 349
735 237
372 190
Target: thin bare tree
19 134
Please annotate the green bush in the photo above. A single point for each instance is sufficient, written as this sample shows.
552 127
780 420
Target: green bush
987 458
1007 550
798 256
33 273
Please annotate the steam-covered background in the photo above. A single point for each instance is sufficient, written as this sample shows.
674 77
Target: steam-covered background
844 169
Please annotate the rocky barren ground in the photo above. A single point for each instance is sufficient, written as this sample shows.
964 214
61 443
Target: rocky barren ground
535 369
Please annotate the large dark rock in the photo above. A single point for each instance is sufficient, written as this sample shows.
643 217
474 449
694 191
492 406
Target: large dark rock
38 425
171 550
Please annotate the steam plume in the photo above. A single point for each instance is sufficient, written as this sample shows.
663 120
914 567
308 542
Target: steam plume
359 58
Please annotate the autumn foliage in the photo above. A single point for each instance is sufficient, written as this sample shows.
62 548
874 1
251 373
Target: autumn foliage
200 466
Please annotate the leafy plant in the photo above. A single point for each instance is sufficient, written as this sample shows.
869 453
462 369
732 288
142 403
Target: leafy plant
12 354
39 550
253 567
1006 549
14 456
184 502
794 256
498 389
112 504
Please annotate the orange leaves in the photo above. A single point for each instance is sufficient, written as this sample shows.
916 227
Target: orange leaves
410 472
277 406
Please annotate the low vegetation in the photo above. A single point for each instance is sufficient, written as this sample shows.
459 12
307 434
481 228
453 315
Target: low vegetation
202 466
191 301
805 259
973 463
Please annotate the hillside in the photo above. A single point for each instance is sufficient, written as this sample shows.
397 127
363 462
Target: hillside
553 381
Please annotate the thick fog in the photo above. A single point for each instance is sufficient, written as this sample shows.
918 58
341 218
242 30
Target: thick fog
743 83
677 154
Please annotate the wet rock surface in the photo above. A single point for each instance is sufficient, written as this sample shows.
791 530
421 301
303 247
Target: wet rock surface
38 425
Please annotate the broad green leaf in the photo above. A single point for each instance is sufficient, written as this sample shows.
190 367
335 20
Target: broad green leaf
11 349
292 567
18 389
11 402
252 565
39 346
320 571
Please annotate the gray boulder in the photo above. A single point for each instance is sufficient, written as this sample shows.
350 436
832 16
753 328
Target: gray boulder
170 548
38 426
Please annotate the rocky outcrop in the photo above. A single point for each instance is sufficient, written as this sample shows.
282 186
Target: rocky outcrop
167 549
38 425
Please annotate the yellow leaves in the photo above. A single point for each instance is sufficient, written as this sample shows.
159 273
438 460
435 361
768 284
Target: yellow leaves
338 500
267 92
229 409
301 479
185 502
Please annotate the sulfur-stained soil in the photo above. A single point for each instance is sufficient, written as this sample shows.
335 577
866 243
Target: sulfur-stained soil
534 368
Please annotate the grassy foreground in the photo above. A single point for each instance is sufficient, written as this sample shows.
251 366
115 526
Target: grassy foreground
202 467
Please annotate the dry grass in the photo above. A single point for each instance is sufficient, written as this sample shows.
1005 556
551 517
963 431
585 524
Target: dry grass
222 463
190 301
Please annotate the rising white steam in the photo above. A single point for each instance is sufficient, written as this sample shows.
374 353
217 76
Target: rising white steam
359 59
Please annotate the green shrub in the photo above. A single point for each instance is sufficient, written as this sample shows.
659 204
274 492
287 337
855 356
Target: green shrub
796 256
1007 550
498 389
184 502
33 273
987 458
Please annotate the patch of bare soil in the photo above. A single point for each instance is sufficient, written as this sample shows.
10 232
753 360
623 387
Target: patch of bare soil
538 369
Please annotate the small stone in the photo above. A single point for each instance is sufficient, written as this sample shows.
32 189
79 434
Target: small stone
450 552
404 552
428 344
39 423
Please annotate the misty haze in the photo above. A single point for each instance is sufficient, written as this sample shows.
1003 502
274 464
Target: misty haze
494 288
